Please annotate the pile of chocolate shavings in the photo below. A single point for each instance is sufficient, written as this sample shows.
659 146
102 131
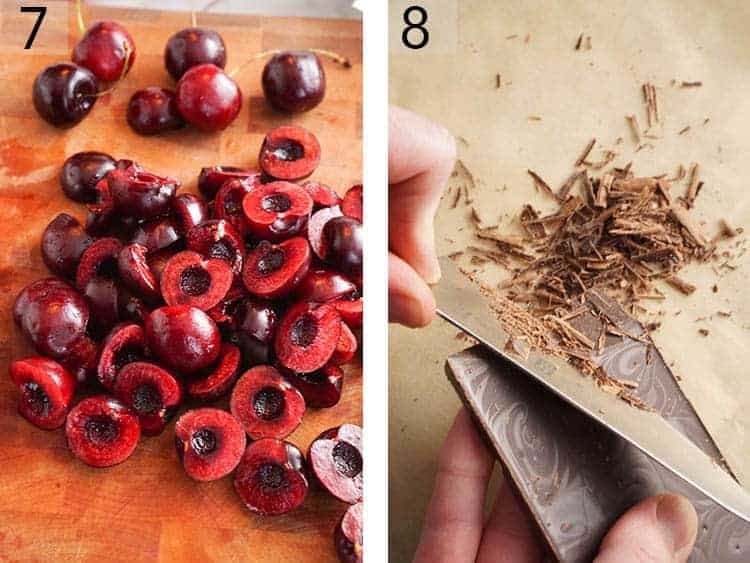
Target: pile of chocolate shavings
623 234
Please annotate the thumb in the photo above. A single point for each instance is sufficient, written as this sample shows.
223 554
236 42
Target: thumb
661 529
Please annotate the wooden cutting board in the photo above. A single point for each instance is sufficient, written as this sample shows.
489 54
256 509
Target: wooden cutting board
52 507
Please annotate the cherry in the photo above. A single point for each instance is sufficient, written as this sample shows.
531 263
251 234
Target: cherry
289 153
64 94
153 110
307 336
139 194
188 279
344 238
190 210
322 286
322 195
183 338
213 382
294 81
191 47
101 431
63 243
271 477
107 50
157 235
52 315
352 202
126 343
346 347
212 178
135 272
335 458
217 238
277 210
321 388
315 226
150 392
208 98
209 442
272 271
46 391
81 172
228 203
348 535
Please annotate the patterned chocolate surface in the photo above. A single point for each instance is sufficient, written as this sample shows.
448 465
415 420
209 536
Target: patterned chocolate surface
576 476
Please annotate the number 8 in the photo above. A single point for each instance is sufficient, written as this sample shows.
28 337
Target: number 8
415 25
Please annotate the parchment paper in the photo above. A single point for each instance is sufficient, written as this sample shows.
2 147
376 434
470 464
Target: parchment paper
579 95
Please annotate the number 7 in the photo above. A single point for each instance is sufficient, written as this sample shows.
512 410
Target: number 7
42 11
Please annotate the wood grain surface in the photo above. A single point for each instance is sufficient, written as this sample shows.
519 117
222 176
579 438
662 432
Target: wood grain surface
53 507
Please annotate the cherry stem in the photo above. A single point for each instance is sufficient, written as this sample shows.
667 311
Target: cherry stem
79 17
340 59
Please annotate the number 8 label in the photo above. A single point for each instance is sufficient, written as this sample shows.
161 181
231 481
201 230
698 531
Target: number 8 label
417 26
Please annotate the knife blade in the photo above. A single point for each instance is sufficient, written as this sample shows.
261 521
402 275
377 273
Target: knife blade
460 302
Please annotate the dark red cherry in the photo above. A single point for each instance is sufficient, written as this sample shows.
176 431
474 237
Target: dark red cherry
289 153
212 178
344 238
46 391
191 47
63 243
294 81
107 50
190 210
64 94
153 110
140 194
208 98
81 172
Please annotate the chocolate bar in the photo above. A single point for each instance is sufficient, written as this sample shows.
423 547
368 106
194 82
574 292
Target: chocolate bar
576 476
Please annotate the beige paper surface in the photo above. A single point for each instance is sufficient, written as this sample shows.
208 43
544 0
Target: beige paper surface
579 95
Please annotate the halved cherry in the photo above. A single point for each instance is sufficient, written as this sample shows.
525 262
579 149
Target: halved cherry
321 194
322 286
103 297
348 535
188 279
266 404
135 271
209 442
81 361
350 309
320 388
277 210
213 382
335 458
101 431
315 229
141 194
272 477
99 259
346 347
152 393
289 153
307 336
101 216
217 239
228 203
352 202
46 391
189 210
212 178
273 271
157 234
225 310
126 343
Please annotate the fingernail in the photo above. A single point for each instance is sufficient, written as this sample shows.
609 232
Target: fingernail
677 521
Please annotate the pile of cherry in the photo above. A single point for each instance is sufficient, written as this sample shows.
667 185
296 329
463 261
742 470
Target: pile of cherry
251 292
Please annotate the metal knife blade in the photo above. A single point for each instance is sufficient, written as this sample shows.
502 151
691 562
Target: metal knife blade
461 303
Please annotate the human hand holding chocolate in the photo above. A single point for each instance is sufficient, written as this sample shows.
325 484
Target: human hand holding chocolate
660 528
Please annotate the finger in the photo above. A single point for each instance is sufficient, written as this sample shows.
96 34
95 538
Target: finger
453 524
658 529
421 157
410 300
510 534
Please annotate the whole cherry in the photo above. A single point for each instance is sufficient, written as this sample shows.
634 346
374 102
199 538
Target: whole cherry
64 94
208 98
153 110
191 47
294 81
81 172
107 50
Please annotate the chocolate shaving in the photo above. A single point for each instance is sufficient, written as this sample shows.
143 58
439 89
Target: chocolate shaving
692 190
680 284
684 130
579 42
541 184
695 84
634 128
585 154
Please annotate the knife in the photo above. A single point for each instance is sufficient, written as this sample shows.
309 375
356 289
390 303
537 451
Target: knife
460 302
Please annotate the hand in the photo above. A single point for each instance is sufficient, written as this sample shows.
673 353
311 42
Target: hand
660 529
421 155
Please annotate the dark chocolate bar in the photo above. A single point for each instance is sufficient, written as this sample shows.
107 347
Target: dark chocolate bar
576 476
